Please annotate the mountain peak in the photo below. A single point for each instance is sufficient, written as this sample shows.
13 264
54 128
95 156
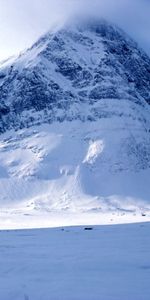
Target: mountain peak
82 61
89 82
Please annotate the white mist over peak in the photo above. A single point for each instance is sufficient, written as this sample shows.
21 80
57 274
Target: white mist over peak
22 22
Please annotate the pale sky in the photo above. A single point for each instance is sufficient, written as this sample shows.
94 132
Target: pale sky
23 21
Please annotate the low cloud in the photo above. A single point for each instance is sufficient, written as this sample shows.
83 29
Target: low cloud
22 22
131 15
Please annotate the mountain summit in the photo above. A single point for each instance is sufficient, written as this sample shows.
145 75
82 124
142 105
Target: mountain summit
79 101
68 71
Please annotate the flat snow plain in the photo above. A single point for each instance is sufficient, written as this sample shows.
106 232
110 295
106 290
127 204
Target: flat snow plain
71 263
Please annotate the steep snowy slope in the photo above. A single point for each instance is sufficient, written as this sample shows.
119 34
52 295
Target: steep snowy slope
79 100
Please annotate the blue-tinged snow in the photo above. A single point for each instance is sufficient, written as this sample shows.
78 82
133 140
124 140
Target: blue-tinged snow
75 129
75 173
108 263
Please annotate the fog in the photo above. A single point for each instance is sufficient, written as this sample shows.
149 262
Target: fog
23 21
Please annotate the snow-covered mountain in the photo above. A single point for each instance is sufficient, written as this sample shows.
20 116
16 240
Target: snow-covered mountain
68 71
74 121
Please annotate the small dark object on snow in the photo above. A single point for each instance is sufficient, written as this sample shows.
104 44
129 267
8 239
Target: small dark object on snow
143 215
88 228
